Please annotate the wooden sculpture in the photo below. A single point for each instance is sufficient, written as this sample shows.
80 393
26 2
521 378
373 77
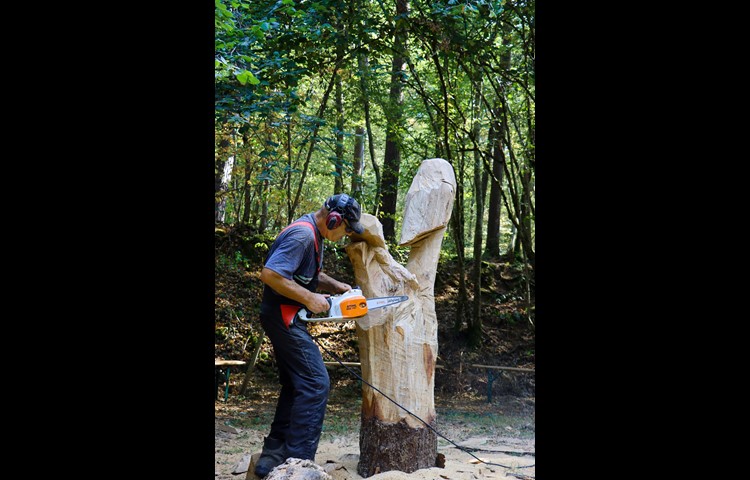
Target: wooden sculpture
398 345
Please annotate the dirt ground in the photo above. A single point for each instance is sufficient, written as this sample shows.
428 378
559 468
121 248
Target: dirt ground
501 432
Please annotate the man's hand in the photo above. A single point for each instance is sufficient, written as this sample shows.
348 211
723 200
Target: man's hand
315 302
318 303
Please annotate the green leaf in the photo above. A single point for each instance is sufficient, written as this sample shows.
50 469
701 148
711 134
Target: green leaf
245 77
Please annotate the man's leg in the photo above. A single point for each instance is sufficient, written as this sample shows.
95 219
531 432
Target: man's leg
280 424
274 451
304 393
304 364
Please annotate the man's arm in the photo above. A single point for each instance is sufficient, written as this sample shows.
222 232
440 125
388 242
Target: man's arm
314 302
332 285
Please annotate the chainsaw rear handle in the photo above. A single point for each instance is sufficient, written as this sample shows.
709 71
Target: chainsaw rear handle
302 313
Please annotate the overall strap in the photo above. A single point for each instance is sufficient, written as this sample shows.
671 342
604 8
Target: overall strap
315 239
288 312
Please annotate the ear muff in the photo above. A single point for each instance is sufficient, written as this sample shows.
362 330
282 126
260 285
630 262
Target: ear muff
334 218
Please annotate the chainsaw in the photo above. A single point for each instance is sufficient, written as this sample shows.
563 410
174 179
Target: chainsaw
352 304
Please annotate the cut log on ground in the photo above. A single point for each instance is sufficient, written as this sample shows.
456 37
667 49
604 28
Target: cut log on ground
398 345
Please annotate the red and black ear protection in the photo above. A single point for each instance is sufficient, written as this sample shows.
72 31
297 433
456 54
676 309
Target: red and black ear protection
334 218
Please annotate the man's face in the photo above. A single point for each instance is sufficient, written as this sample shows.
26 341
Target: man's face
339 232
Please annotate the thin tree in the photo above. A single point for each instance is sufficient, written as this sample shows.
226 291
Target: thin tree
364 71
338 161
497 135
475 324
359 162
394 115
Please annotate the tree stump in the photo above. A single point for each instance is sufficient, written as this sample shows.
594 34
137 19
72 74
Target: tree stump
398 344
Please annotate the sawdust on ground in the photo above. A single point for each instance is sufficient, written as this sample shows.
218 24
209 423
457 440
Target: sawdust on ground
501 433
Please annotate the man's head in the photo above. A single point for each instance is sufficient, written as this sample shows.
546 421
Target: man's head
343 209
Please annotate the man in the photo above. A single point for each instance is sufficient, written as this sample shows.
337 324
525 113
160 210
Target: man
292 274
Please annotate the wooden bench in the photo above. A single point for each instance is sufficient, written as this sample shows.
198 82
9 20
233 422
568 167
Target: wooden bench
491 377
226 366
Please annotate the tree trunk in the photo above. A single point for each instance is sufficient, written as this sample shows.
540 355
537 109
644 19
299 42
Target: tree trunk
289 170
457 228
475 324
338 179
218 177
225 179
364 68
313 141
247 191
498 129
457 219
263 206
510 252
253 361
398 345
359 163
394 114
525 220
492 246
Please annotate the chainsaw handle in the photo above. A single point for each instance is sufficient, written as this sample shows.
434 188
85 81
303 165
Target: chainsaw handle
302 313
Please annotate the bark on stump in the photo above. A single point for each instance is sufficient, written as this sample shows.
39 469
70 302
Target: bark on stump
398 345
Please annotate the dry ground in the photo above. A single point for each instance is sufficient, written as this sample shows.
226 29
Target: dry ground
500 432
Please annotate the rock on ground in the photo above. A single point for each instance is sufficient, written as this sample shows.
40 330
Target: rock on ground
298 469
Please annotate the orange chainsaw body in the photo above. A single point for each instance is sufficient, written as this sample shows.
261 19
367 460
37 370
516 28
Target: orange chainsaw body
354 306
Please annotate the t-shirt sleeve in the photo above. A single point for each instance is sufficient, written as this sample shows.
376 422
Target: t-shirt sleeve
290 253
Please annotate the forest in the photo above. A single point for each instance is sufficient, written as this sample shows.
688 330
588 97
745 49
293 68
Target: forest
314 98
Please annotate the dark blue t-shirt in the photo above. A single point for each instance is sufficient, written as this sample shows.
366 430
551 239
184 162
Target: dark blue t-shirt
292 255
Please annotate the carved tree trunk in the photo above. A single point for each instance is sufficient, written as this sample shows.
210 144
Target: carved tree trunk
398 345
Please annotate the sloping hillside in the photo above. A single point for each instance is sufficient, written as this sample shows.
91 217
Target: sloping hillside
508 335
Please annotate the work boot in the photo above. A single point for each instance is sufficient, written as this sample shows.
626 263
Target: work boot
273 455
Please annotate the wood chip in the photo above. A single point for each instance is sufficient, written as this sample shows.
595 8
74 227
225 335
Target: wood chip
242 465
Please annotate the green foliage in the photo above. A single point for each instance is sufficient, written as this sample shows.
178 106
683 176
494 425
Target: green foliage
223 18
245 77
240 259
400 254
221 334
226 262
275 60
237 261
